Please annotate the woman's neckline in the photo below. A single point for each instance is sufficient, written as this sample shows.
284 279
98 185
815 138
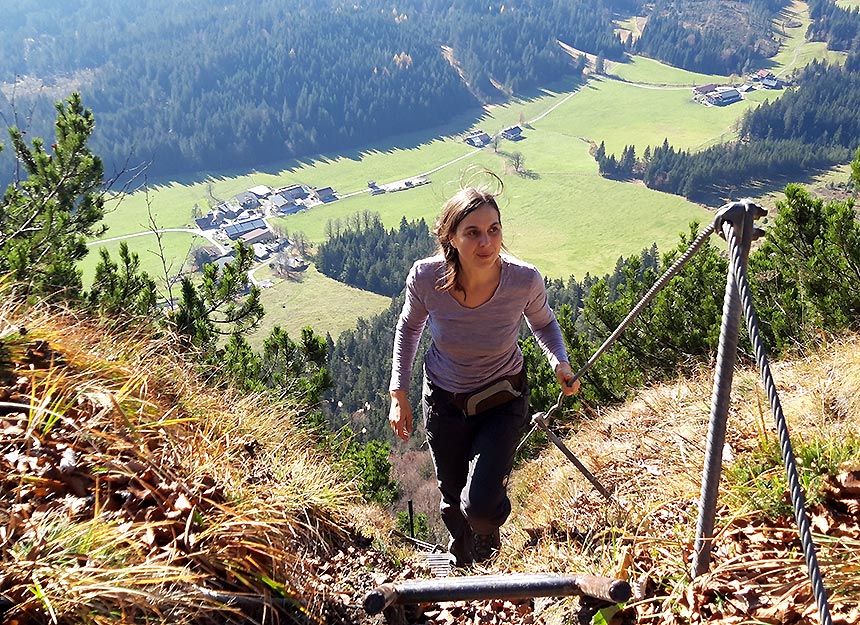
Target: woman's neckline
490 297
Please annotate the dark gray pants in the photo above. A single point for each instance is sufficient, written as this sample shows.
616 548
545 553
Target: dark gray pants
473 457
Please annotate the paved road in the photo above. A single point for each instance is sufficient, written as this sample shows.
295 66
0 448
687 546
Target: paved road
195 231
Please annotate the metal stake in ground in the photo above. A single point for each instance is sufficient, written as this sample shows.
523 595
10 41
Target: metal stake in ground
539 420
741 216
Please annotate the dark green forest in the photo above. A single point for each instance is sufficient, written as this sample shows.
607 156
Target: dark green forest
360 252
838 27
711 36
186 86
814 125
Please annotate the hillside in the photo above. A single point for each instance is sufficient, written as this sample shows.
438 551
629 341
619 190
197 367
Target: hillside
130 488
207 85
131 492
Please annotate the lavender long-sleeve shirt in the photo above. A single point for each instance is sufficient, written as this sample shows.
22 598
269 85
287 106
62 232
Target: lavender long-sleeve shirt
472 346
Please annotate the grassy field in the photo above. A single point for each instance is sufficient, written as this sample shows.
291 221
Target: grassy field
294 305
645 70
558 213
176 247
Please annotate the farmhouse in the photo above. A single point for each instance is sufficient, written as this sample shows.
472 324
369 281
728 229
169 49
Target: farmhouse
224 210
702 90
479 139
248 200
294 192
260 235
206 223
280 205
722 96
716 95
241 228
325 194
514 133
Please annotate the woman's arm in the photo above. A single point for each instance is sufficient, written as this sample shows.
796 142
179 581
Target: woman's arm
407 334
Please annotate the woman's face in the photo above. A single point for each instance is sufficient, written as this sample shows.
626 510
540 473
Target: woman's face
478 238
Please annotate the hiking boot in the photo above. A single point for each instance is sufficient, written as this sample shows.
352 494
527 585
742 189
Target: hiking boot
486 546
461 549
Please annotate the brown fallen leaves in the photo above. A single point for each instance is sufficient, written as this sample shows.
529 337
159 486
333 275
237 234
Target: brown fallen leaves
117 506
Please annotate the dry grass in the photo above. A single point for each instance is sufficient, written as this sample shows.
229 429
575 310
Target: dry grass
131 492
651 451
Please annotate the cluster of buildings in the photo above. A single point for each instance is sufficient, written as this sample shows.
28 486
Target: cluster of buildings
480 139
716 95
243 217
400 185
723 95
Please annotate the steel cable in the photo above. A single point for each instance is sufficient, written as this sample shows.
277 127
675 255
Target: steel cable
631 316
797 497
646 299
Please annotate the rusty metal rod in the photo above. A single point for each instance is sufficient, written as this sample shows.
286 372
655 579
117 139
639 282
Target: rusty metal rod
511 587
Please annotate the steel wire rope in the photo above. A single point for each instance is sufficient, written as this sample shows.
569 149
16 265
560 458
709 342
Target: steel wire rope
797 497
631 316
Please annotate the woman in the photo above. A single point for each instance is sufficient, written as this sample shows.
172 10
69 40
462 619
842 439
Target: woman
473 298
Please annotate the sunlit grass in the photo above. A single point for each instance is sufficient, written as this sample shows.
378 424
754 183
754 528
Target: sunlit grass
135 487
295 305
650 452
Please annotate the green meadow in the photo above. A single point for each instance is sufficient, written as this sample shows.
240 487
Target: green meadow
558 213
176 247
644 70
294 305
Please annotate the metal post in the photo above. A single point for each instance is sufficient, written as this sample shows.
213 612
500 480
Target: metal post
740 217
411 520
511 586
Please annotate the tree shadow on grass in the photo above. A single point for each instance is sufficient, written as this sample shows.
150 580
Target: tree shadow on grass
454 128
716 196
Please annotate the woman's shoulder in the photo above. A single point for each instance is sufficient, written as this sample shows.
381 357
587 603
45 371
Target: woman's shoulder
428 268
520 269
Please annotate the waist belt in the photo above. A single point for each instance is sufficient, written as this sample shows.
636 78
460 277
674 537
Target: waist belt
494 394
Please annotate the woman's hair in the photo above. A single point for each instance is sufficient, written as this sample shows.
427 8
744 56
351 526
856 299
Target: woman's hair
454 211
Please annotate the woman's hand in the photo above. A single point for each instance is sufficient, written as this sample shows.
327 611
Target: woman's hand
569 386
400 414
